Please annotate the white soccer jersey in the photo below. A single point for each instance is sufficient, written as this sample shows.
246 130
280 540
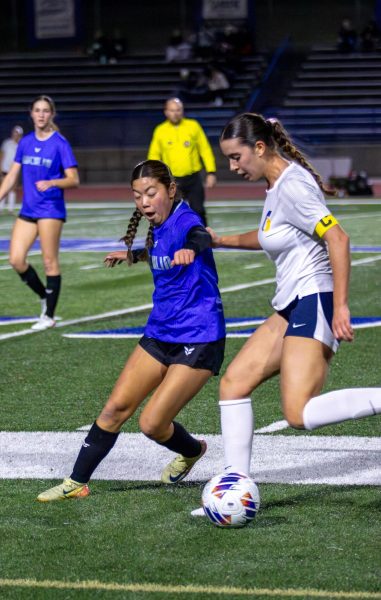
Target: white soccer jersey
292 209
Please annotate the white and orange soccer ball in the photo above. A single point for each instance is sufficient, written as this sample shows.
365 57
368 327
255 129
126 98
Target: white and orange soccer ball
230 500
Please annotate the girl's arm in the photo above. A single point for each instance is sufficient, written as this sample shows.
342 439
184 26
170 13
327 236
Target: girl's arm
71 180
10 180
338 248
245 241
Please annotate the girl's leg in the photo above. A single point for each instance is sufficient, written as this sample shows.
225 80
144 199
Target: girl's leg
304 368
23 235
141 374
258 360
180 385
49 231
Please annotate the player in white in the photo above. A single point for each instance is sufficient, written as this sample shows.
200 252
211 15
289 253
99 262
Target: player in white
8 151
311 254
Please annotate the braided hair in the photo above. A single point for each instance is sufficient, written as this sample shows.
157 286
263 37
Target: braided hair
156 170
249 128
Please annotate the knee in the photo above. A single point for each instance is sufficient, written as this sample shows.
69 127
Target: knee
17 263
151 428
232 387
112 416
50 265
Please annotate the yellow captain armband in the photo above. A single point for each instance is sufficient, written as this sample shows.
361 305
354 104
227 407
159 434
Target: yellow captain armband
324 224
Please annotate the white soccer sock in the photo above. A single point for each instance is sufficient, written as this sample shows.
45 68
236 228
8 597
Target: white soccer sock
11 201
237 426
341 405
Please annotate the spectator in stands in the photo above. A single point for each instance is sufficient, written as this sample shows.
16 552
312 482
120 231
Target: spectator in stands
205 42
193 86
48 168
218 83
347 37
118 47
178 49
358 184
370 36
102 48
182 145
7 155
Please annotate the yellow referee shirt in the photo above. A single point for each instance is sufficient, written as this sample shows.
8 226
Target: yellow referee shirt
183 147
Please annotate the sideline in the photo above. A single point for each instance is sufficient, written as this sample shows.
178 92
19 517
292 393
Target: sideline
188 589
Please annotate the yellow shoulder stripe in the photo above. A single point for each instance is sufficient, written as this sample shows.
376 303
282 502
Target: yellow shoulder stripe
324 224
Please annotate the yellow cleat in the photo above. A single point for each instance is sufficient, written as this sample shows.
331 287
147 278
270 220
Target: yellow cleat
66 490
180 466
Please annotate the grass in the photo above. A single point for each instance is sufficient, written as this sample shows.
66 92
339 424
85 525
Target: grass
318 537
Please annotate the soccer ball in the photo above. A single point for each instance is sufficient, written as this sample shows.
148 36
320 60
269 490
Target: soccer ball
230 500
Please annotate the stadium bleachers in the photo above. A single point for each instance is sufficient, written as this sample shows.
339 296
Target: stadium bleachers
133 86
335 98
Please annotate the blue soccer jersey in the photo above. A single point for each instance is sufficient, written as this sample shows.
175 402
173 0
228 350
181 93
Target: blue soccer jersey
187 306
43 160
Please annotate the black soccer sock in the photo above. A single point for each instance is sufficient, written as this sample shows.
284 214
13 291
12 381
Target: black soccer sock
53 286
31 279
96 446
182 442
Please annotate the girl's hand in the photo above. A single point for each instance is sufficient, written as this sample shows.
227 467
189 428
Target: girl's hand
216 239
115 258
341 324
43 185
185 256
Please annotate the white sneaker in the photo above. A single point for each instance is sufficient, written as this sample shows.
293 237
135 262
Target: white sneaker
44 322
198 512
43 307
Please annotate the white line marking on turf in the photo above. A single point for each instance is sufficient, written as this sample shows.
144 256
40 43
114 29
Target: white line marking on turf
306 459
365 261
276 426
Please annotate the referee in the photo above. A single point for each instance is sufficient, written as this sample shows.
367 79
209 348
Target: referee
182 145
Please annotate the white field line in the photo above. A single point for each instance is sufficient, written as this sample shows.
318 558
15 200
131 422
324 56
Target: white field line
276 426
365 261
133 309
306 459
253 266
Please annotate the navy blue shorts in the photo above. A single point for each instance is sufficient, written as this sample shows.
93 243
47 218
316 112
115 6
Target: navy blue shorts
209 355
311 317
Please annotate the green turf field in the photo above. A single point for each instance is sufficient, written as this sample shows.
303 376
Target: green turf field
133 537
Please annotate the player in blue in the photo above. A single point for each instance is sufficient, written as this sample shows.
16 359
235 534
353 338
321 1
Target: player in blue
48 168
184 338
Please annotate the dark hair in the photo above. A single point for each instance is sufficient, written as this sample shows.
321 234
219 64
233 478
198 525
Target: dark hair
50 101
162 173
250 128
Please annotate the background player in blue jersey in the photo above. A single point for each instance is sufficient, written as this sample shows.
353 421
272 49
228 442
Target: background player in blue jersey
48 168
311 254
183 342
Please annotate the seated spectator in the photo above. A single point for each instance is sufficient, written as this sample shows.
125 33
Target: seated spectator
370 36
205 42
118 47
218 83
101 48
178 49
358 184
347 37
193 86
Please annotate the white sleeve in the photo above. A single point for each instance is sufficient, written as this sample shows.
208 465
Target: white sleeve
303 204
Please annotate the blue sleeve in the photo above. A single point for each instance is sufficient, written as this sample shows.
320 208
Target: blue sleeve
19 152
67 156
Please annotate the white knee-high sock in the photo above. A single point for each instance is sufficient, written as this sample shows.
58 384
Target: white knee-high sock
341 405
237 426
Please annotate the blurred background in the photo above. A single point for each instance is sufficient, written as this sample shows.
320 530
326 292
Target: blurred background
110 65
